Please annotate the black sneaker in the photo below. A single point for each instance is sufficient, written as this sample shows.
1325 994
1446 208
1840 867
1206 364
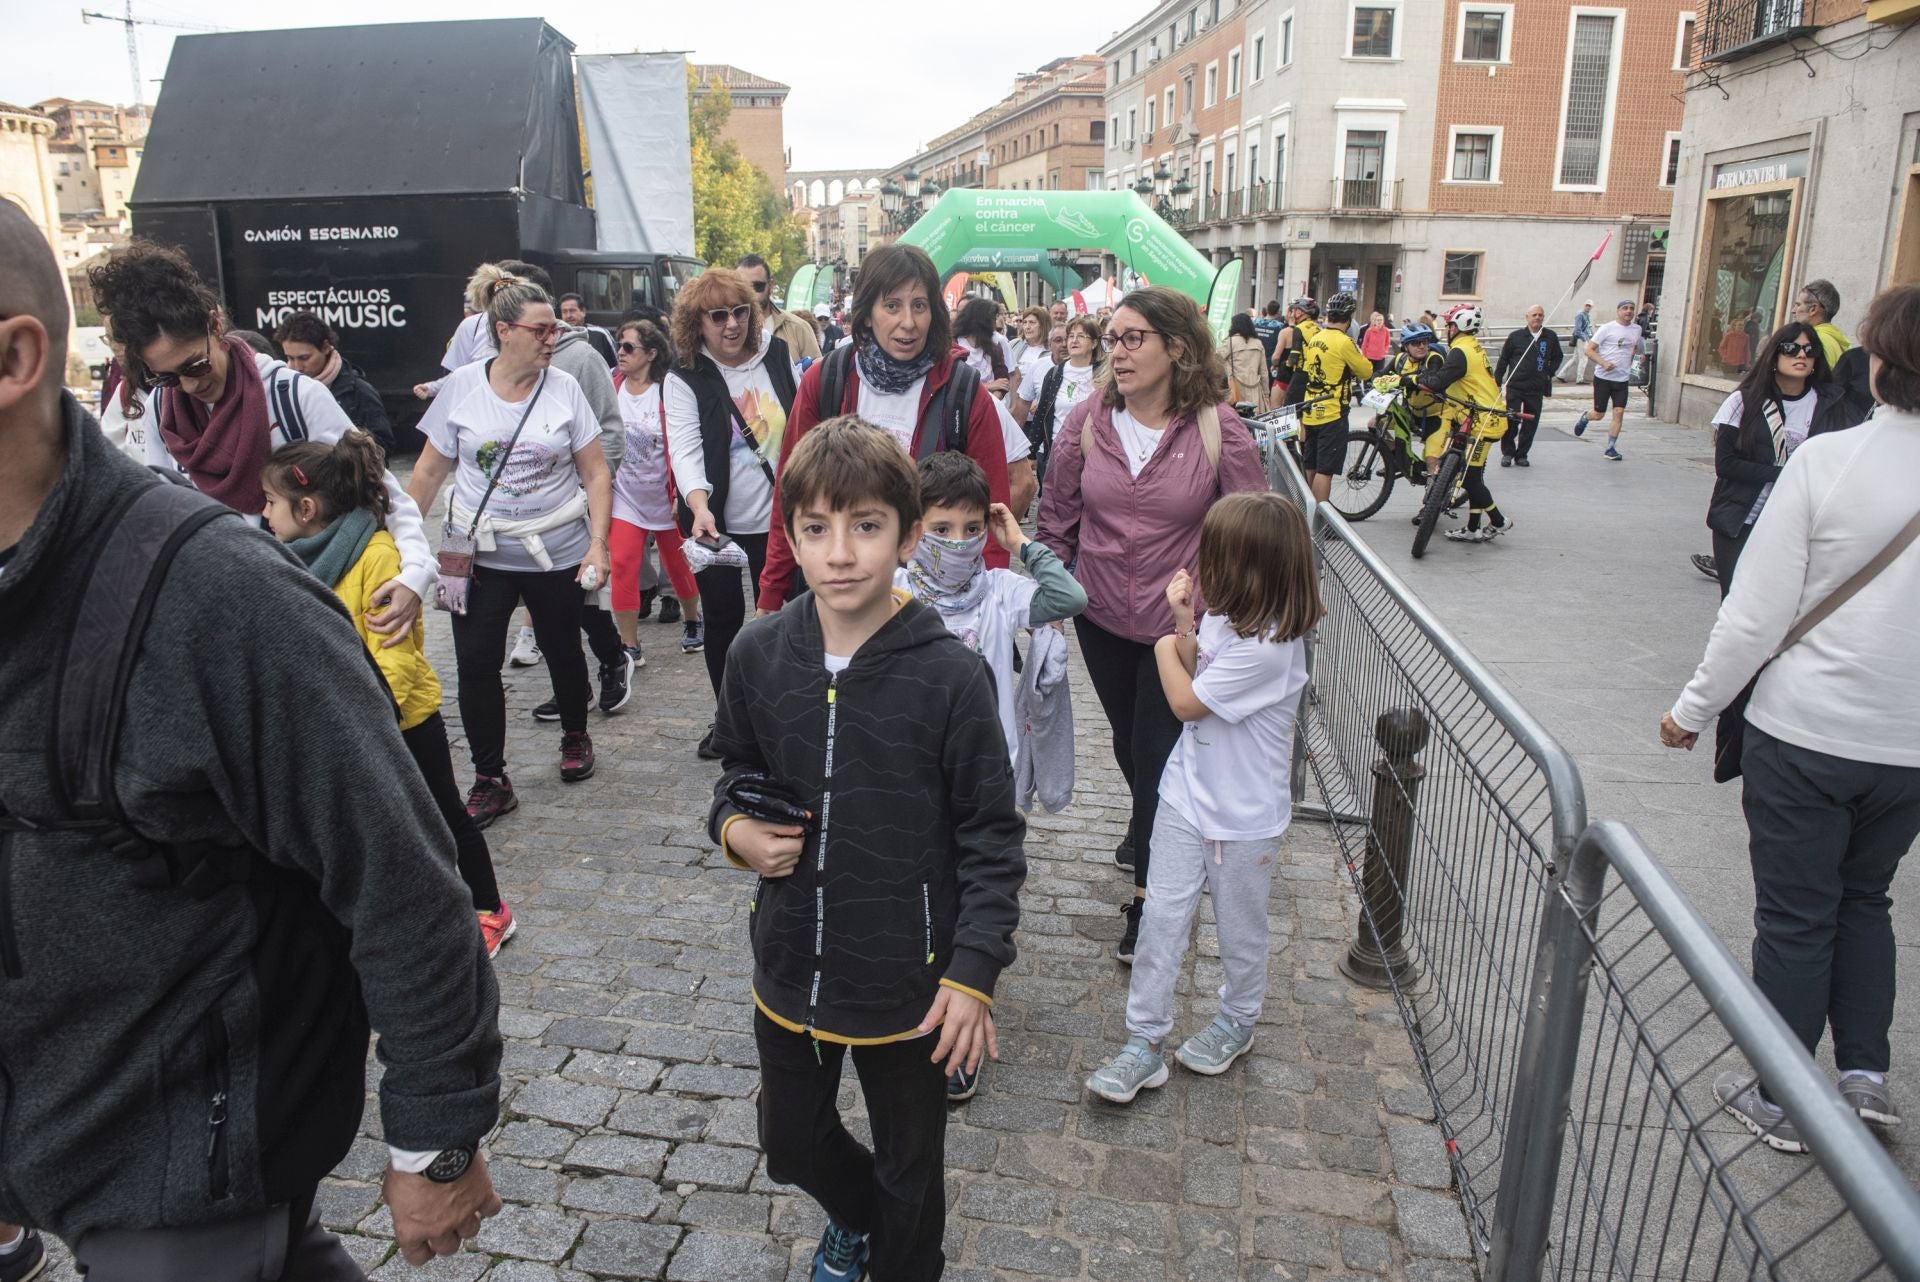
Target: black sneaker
1707 566
1506 460
548 711
1130 937
616 683
961 1085
646 601
576 756
670 610
489 798
1123 853
1522 461
706 751
25 1260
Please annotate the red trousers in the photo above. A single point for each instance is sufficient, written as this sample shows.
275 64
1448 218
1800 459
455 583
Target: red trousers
628 546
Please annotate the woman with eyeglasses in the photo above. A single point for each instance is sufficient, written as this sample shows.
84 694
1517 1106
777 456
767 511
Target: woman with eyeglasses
215 409
903 374
727 398
1133 471
522 443
642 496
1051 391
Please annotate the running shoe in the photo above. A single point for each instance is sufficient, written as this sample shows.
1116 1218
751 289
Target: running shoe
1707 566
1740 1095
639 659
497 928
489 798
526 651
961 1085
1613 456
616 682
670 609
646 601
26 1260
1211 1051
1500 531
548 711
1138 1067
1123 853
693 636
576 756
1870 1099
1580 428
1506 460
1483 535
841 1255
1522 461
1130 937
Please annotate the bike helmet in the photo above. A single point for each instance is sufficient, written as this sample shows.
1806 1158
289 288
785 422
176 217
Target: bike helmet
1417 332
1464 317
1307 305
1342 304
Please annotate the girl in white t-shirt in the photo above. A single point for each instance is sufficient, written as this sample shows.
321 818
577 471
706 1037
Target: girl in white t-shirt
1235 680
642 498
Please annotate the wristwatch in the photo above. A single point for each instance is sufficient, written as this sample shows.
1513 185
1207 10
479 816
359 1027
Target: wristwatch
450 1165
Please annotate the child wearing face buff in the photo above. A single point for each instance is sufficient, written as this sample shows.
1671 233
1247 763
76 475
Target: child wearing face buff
984 608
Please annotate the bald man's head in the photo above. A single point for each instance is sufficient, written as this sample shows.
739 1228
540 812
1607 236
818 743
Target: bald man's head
30 284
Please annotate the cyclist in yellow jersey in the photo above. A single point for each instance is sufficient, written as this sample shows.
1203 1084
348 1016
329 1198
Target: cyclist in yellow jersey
1303 322
1329 363
1420 350
1466 374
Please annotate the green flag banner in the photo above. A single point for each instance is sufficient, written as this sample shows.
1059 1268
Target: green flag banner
1226 287
800 288
822 288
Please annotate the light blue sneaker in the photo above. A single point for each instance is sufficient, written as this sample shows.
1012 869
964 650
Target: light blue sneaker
841 1255
1212 1050
1136 1068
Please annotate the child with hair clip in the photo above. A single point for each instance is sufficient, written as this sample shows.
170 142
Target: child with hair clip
1235 680
328 504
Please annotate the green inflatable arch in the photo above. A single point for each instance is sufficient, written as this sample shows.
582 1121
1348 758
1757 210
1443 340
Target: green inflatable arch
968 226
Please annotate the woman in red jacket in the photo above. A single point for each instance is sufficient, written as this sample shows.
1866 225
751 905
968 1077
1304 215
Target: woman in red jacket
900 374
1126 516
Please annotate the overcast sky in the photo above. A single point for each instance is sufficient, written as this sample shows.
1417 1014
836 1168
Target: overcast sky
868 90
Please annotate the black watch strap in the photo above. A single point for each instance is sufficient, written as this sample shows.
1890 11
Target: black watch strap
450 1165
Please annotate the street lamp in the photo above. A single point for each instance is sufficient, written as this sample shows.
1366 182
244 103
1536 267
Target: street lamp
929 194
1182 196
912 177
1143 188
890 198
1171 200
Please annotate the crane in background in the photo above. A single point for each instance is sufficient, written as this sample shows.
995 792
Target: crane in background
129 21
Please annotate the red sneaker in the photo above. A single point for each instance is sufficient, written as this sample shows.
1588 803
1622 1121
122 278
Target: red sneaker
576 756
488 799
497 928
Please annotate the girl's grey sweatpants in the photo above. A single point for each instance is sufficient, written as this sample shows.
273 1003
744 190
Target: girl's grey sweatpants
1238 874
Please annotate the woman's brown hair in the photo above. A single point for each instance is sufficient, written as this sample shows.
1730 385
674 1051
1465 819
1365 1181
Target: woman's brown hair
712 290
1091 328
1891 331
1257 566
653 342
349 474
1198 373
887 269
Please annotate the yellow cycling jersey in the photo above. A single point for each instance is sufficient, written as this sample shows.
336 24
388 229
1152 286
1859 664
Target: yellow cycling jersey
1421 403
1476 385
1328 360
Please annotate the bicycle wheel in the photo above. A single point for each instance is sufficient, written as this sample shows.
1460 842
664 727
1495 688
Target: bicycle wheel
1439 493
1363 488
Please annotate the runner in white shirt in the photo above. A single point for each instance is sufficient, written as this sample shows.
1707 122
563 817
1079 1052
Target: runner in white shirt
1611 349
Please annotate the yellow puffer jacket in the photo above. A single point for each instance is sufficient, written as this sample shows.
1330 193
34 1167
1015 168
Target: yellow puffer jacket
409 675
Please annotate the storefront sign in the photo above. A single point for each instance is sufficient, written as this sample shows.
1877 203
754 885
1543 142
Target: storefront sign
1768 169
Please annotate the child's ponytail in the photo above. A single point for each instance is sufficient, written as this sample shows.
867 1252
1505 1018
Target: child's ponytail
340 477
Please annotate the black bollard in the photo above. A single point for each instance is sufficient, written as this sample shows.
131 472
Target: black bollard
1377 958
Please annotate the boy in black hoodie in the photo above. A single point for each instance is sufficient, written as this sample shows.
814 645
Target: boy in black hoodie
883 917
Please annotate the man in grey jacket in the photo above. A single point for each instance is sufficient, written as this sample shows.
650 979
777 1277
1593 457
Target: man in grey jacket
184 1058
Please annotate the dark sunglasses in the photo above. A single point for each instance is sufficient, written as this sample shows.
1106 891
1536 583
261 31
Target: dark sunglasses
198 367
628 348
1794 349
721 315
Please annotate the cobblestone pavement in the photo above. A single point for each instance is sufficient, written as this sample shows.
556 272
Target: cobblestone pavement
627 1142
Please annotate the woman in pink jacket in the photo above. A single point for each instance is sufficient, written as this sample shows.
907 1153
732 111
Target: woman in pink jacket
1126 515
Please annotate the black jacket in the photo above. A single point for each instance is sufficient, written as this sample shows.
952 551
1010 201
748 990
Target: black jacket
717 422
918 883
1040 424
1740 473
1532 372
362 404
253 720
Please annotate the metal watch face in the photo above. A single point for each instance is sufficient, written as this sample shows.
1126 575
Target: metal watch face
450 1165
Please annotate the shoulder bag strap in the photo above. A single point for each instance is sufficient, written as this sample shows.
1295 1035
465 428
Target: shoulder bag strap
506 455
286 404
833 382
740 426
1846 591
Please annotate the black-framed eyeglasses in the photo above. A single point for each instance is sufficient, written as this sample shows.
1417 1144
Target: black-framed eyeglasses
1130 340
199 367
721 315
1794 349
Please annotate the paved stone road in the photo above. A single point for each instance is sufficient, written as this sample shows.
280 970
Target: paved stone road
627 1146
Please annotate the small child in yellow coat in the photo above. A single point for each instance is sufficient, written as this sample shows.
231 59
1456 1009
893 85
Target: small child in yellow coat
328 504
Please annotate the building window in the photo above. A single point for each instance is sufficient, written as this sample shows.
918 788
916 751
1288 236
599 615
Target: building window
1460 275
1585 125
1484 33
1116 72
1683 43
1213 84
1186 96
1096 181
1168 113
1152 104
1133 63
1233 73
1229 172
1286 40
1192 14
1259 57
1253 163
1742 275
1476 155
1113 130
1132 114
1374 29
1670 160
1098 130
1056 129
1279 164
1206 175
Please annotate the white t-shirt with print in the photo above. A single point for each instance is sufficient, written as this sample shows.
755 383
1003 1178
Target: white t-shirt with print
897 412
749 491
1076 384
1138 440
1616 344
988 627
1035 356
1032 375
640 486
1228 774
469 423
1799 415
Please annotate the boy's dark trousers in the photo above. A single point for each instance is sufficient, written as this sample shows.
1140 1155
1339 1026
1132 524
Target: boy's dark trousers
897 1192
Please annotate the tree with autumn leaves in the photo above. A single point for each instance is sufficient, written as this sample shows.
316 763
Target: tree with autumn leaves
736 210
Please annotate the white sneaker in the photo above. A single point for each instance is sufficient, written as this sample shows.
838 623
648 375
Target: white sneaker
526 652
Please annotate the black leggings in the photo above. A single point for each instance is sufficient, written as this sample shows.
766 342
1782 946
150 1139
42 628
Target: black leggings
428 744
723 602
1126 678
1480 498
603 637
1726 555
480 648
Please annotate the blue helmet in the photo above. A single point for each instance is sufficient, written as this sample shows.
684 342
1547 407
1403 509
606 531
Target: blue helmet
1417 332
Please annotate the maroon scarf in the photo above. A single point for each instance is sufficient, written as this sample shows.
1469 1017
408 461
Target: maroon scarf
223 447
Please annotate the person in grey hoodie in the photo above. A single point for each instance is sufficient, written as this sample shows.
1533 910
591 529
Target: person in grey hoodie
178 1071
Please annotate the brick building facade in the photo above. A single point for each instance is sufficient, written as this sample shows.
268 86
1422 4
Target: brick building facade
756 124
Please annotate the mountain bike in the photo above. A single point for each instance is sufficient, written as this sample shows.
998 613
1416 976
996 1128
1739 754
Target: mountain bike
1446 488
1379 455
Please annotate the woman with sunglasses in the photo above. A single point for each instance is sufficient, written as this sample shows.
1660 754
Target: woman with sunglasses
522 443
642 497
215 409
1780 403
1133 471
727 399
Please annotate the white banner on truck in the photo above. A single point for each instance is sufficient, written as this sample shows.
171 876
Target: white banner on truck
639 145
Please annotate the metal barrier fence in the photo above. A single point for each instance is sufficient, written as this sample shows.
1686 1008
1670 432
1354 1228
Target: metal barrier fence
1586 1139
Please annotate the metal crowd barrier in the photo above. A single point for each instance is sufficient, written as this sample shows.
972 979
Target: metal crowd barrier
1586 1142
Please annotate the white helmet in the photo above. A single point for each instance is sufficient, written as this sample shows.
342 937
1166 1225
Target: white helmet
1464 317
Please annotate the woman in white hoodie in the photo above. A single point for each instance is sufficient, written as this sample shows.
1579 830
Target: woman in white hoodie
1832 737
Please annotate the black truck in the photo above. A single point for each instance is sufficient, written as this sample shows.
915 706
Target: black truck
361 173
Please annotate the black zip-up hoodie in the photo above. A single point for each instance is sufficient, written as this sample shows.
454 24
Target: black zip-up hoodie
911 876
171 1061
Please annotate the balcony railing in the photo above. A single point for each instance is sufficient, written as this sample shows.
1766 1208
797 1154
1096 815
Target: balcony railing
1365 195
1731 29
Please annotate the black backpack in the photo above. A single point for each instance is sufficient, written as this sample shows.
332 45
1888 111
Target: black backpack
950 406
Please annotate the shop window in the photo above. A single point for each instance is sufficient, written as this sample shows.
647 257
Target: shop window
1742 276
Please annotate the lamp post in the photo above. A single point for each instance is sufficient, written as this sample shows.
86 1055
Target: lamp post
1169 199
903 204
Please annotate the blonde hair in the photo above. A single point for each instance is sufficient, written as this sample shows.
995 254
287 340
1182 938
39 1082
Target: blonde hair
1257 565
1198 373
505 297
